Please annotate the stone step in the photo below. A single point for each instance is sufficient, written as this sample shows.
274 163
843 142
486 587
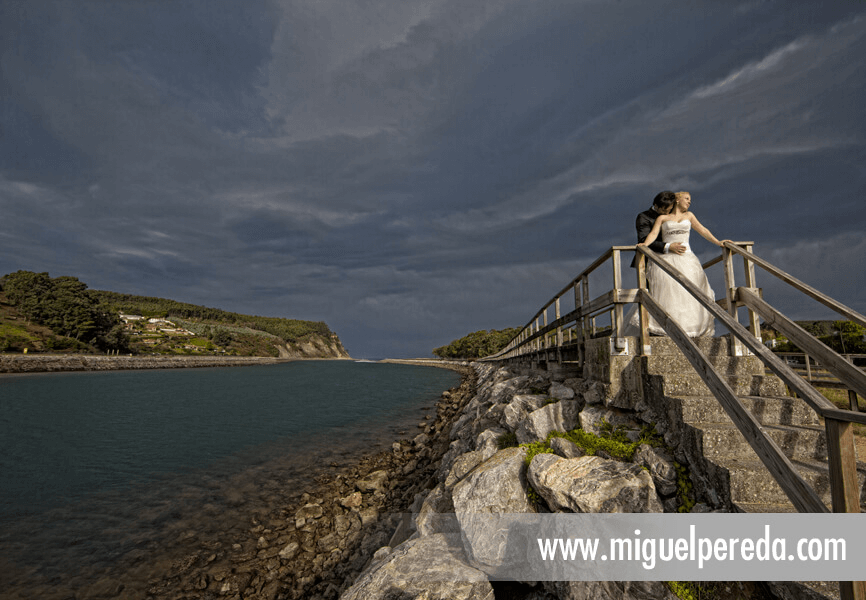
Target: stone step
783 410
751 483
689 383
725 365
723 442
710 346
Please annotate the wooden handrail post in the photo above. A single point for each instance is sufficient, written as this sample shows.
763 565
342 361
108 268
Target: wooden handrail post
844 486
579 323
731 297
808 368
749 271
646 349
558 333
584 284
616 321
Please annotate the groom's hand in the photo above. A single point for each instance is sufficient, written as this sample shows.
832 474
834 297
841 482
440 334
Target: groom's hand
676 248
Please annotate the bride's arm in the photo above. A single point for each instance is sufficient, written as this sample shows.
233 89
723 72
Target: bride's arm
705 233
654 233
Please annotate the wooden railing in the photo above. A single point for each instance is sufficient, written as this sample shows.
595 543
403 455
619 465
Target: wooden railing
813 372
545 335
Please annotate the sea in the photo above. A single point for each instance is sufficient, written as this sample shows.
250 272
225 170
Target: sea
95 465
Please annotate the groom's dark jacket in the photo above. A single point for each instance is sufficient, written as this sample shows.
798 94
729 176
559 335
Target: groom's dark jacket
644 225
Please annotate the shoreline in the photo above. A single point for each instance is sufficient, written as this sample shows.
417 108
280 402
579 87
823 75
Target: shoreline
311 541
11 364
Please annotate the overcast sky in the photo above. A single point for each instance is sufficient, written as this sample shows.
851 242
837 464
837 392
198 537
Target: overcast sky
409 171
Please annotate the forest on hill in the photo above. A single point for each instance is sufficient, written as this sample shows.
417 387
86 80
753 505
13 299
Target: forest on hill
477 344
61 314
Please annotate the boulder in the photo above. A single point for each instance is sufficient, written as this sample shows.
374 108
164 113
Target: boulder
559 416
487 442
437 513
432 567
566 449
519 407
497 486
661 468
463 465
592 417
590 484
560 391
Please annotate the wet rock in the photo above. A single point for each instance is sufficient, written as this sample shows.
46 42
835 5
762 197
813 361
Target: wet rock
374 482
354 500
309 511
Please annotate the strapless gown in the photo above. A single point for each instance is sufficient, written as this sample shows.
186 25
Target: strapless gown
695 320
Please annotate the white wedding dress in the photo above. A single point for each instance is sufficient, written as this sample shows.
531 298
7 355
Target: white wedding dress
694 319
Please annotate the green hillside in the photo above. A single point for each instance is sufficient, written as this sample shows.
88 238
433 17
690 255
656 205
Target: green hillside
61 314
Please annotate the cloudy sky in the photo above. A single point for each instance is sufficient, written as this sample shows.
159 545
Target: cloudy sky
409 171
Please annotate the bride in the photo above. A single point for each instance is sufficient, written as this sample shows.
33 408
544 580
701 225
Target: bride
694 319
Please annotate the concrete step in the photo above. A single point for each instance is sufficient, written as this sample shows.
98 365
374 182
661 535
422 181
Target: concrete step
710 346
689 383
723 442
768 411
751 484
666 364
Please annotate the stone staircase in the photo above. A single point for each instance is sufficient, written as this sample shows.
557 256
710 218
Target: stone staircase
724 466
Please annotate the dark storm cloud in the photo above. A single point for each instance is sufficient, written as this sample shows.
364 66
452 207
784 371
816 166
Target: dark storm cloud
412 171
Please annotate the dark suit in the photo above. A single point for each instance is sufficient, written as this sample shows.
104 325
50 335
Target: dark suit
644 225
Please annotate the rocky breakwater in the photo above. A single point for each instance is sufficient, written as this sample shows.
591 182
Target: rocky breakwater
526 444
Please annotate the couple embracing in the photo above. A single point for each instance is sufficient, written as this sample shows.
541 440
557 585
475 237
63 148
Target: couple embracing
665 229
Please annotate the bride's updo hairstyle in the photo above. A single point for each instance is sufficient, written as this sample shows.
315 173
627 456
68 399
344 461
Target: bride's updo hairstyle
679 195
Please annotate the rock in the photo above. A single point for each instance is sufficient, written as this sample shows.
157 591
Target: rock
520 406
498 485
431 567
661 468
595 393
591 419
610 590
369 516
463 465
309 511
566 449
560 391
590 484
353 500
437 513
374 482
290 550
560 416
487 442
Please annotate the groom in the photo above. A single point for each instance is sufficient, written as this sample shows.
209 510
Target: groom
663 203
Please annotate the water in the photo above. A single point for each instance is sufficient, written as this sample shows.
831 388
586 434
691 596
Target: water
94 464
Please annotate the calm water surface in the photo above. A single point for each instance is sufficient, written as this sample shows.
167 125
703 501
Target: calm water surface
94 463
